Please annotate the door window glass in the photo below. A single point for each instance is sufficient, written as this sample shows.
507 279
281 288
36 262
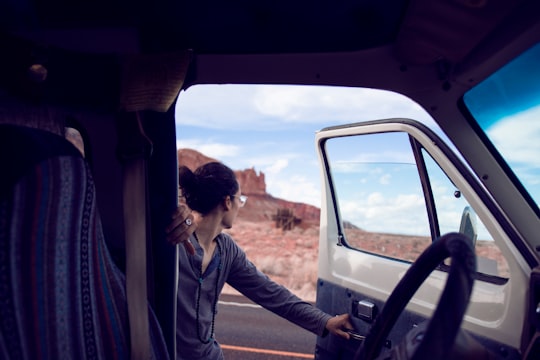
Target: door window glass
455 214
386 197
379 194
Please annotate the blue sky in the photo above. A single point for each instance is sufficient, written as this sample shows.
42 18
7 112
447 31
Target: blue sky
272 128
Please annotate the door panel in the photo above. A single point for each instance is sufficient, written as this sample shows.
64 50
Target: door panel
391 188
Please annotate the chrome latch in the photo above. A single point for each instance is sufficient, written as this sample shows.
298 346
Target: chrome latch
365 310
355 335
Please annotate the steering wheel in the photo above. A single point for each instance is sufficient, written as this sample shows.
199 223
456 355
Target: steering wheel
437 341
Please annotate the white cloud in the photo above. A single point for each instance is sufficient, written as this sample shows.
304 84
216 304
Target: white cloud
277 106
385 179
284 181
312 104
276 167
214 150
296 187
517 137
214 106
375 212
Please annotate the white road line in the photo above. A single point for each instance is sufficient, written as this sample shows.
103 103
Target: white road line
232 303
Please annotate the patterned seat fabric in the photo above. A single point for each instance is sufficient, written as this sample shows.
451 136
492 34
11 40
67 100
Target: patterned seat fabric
61 295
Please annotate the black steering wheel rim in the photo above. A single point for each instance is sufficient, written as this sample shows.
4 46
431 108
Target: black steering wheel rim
446 320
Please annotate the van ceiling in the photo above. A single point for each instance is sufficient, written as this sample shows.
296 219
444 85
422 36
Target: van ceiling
422 31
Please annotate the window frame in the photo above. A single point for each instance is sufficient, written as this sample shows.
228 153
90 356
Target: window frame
416 148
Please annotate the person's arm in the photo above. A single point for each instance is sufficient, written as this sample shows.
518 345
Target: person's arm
258 287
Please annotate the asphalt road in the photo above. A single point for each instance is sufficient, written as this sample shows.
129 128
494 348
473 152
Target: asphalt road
247 331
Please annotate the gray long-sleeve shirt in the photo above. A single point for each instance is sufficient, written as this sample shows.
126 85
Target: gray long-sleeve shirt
231 264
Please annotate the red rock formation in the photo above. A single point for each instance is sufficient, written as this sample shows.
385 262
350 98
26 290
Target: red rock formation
261 206
192 159
251 182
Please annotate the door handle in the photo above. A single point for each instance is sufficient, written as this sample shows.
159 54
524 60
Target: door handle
355 336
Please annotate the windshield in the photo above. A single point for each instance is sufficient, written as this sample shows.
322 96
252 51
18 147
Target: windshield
507 107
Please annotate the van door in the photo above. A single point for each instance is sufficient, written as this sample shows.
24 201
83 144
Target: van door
390 188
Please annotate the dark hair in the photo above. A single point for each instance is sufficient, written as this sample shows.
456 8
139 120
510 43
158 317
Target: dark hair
206 187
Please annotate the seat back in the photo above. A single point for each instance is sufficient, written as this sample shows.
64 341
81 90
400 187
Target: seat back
61 294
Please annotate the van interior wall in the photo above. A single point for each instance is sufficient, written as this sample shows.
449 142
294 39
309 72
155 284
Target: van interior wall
101 129
84 88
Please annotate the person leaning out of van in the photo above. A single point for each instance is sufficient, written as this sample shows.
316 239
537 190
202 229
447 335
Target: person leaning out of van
211 258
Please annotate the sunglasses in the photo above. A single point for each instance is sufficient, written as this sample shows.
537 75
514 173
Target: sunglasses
242 198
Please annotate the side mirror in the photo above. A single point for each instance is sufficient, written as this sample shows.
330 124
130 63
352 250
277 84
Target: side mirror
468 224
